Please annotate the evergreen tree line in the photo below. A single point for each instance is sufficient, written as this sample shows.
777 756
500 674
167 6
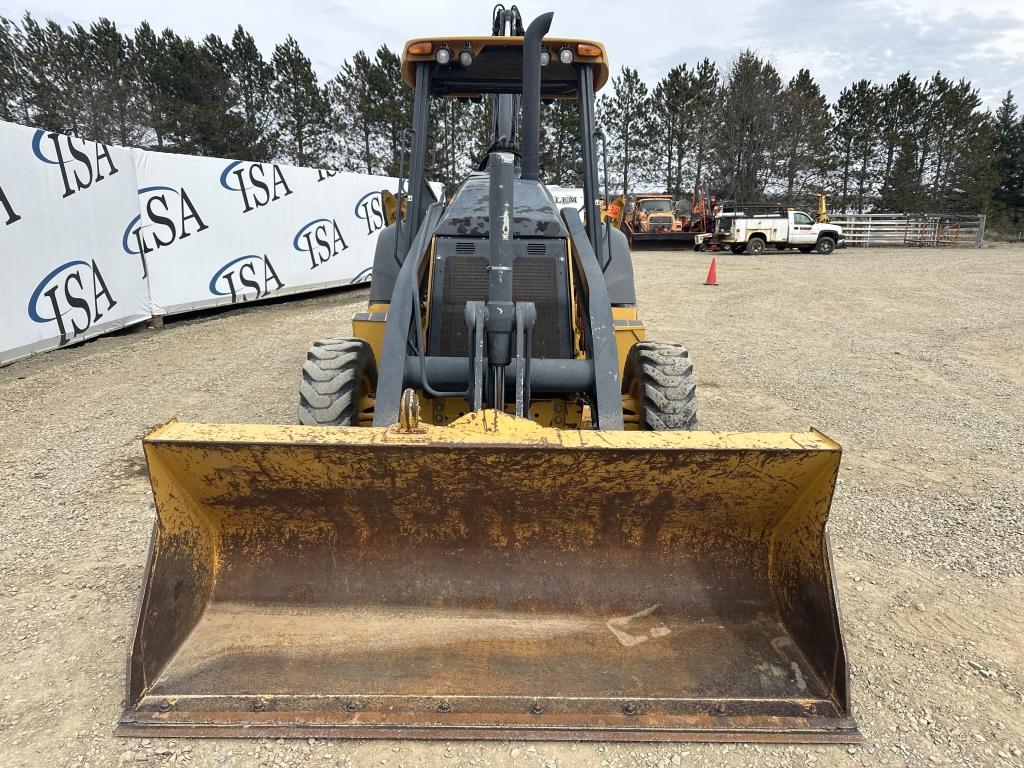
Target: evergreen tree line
908 145
742 132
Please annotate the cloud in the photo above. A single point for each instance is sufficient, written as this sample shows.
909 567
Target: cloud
844 42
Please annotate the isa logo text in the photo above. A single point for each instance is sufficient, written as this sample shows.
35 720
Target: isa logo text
82 163
256 185
247 278
370 210
168 215
74 296
321 240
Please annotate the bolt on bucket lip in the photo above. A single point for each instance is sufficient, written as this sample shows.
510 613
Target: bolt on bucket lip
507 581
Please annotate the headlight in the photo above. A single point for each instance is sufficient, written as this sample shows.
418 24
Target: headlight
443 55
565 55
466 57
545 57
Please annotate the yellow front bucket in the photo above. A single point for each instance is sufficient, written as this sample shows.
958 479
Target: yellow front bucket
492 579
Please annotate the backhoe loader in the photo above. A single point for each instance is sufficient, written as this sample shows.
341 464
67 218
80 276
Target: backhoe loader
496 518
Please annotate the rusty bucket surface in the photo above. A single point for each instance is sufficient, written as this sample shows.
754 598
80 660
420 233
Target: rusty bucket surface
492 579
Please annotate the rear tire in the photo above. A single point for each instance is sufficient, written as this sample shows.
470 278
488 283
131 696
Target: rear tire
659 377
755 246
825 245
337 375
737 249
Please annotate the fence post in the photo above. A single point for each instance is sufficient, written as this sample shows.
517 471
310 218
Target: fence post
981 231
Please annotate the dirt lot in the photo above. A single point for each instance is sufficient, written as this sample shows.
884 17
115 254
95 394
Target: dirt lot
913 360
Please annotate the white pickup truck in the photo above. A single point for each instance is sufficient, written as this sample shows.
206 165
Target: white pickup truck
782 229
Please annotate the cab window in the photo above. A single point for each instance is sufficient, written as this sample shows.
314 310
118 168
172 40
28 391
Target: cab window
655 205
802 219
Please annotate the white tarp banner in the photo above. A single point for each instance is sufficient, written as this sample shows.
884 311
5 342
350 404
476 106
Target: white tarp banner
66 278
93 238
212 231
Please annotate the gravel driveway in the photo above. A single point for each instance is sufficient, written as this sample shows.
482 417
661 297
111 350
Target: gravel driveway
912 359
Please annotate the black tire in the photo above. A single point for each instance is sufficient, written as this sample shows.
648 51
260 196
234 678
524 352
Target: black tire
781 247
806 248
737 249
337 375
825 245
756 246
659 376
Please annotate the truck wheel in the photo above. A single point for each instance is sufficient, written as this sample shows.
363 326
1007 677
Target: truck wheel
825 245
337 378
737 249
755 246
659 378
781 247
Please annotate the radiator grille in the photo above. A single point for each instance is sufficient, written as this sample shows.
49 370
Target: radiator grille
539 276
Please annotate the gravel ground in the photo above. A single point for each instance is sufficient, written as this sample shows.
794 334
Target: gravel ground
912 359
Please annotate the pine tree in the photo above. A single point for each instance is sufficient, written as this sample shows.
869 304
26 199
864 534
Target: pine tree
745 146
972 174
113 61
963 129
869 99
803 126
560 143
855 141
454 130
13 104
48 68
353 98
152 68
705 112
625 120
394 113
841 138
1008 146
252 78
902 191
671 103
301 106
902 108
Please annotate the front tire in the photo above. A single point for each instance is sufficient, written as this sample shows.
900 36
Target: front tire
825 246
659 378
337 377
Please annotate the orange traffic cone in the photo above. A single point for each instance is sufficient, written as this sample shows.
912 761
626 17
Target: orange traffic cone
712 272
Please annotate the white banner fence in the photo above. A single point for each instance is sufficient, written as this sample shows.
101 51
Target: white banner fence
94 238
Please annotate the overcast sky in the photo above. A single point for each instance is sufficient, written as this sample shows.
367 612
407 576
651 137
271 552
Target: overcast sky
839 42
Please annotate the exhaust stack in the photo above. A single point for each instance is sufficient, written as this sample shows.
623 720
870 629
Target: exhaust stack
531 95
